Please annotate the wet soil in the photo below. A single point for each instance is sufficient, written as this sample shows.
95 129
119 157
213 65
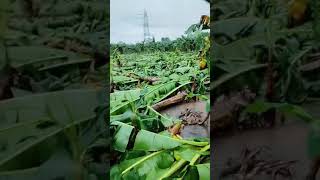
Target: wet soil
285 142
194 130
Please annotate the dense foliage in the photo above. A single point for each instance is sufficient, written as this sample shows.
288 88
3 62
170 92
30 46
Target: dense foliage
52 90
268 46
186 43
142 77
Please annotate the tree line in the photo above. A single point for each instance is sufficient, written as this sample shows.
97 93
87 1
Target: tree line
186 43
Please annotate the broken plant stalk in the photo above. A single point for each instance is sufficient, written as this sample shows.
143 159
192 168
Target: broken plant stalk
174 169
175 129
194 143
182 162
269 115
170 101
197 156
146 78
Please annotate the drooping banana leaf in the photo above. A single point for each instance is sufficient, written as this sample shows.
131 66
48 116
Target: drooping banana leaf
126 117
182 84
290 109
121 99
166 121
149 166
229 8
36 129
234 26
39 55
123 79
229 76
146 167
70 62
154 92
27 174
122 136
149 141
242 48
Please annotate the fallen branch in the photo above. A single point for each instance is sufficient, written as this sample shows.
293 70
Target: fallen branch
149 79
170 101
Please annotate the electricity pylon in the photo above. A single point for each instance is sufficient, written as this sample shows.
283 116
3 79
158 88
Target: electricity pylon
146 33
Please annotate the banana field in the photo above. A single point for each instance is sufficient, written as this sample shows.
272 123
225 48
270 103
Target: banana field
53 69
148 143
265 63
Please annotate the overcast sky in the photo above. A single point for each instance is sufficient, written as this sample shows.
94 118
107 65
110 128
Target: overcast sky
167 18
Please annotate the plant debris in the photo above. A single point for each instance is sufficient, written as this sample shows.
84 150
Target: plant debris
254 162
192 117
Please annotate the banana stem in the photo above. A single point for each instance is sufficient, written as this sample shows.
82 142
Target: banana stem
194 143
141 161
174 168
197 156
182 162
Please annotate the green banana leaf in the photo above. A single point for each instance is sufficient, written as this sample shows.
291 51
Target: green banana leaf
146 167
152 94
37 129
122 136
39 55
290 109
204 171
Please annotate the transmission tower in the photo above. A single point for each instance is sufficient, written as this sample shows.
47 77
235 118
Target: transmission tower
147 36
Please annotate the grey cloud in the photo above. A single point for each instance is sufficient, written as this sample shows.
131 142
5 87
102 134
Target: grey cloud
167 18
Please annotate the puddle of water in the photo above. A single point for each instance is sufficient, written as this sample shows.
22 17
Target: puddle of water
190 130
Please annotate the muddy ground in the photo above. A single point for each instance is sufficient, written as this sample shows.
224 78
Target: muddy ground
285 142
194 130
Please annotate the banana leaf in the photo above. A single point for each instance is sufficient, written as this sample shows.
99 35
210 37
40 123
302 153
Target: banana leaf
122 136
38 129
120 100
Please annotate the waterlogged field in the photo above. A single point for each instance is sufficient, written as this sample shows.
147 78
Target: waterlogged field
146 144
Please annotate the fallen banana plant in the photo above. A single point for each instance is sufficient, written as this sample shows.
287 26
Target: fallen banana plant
165 156
58 118
170 101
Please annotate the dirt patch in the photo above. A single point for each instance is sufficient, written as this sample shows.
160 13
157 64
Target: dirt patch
191 117
287 142
194 117
282 150
256 162
226 110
